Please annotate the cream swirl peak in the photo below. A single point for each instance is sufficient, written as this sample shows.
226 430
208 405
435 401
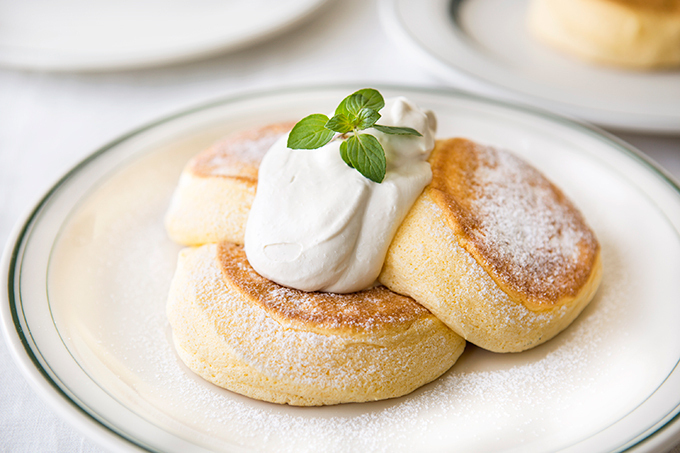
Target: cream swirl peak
316 224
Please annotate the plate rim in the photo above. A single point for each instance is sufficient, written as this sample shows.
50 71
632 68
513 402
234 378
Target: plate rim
35 60
23 356
49 391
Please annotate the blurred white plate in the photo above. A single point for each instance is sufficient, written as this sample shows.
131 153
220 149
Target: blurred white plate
483 45
87 274
73 35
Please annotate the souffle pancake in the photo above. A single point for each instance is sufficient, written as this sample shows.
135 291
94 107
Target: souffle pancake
494 249
217 188
252 336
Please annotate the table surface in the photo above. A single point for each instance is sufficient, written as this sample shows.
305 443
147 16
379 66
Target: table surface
50 121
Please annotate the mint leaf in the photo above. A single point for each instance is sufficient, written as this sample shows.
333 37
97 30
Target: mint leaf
351 105
367 118
343 154
367 98
372 99
365 153
310 133
340 123
393 130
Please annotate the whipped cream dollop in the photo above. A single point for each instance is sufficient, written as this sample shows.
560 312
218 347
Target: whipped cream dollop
317 224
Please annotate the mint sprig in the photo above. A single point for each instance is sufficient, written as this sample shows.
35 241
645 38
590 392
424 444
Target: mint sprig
356 112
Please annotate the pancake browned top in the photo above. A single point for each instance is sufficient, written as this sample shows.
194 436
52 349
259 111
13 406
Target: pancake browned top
521 228
368 310
239 155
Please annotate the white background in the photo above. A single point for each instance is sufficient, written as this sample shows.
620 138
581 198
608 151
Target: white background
50 121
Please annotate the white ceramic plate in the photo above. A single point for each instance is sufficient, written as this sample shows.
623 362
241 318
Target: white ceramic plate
88 272
483 45
72 35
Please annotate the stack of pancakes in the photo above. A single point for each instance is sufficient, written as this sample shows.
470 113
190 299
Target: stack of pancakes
491 252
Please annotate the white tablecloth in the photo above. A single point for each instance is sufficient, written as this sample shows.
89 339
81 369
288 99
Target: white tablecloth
50 121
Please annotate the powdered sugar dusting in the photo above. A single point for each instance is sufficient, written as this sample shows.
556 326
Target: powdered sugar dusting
365 310
479 404
116 266
507 314
239 154
533 240
289 354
